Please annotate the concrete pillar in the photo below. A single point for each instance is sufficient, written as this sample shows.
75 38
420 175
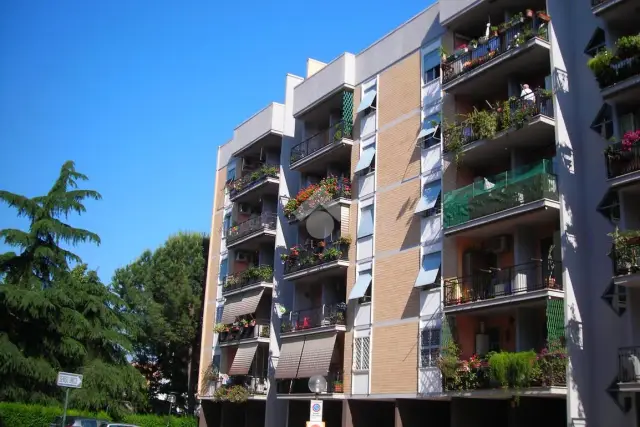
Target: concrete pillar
397 416
347 420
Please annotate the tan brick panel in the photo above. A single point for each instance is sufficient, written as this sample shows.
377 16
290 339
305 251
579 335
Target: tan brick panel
221 178
397 153
394 296
399 91
395 359
396 225
348 357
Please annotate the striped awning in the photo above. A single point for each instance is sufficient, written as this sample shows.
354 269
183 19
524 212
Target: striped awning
289 359
241 304
316 355
243 359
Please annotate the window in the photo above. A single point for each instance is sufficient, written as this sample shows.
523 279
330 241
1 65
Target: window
627 123
362 289
429 204
369 100
429 274
431 66
231 172
597 43
361 354
219 311
224 264
367 163
365 227
226 224
429 347
603 124
431 133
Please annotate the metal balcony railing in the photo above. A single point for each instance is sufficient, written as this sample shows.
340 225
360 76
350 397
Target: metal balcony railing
505 281
521 109
514 36
326 315
629 364
248 277
618 71
252 179
254 384
621 161
265 221
314 196
320 140
238 332
500 192
625 254
303 257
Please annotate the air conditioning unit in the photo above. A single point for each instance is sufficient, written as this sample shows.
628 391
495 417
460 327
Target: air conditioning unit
244 208
242 256
498 245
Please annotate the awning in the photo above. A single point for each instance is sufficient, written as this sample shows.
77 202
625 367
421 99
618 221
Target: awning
367 101
430 196
316 355
243 359
360 288
241 304
430 269
424 133
289 360
365 159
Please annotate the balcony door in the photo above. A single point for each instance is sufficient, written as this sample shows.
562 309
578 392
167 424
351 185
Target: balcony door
479 272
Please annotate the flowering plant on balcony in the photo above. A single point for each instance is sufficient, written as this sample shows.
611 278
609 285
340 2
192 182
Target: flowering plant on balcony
314 195
630 140
234 394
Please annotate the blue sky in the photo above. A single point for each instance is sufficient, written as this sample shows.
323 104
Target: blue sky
141 93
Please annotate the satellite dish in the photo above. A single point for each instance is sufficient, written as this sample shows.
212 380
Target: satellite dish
317 384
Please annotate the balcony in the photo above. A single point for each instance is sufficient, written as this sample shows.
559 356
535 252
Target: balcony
629 369
243 331
626 257
317 261
299 388
506 285
252 277
332 194
238 388
319 319
623 160
262 131
528 194
521 43
526 121
619 14
250 234
330 146
253 186
618 72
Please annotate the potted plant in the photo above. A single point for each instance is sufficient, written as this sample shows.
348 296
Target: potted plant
542 15
517 18
344 240
528 13
443 54
473 44
252 322
494 30
338 387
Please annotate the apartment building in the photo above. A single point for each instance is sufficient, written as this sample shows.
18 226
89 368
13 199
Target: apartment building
440 229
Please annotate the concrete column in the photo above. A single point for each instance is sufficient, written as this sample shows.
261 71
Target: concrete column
523 252
397 416
347 420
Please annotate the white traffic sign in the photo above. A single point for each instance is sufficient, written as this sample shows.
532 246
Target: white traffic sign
66 379
315 411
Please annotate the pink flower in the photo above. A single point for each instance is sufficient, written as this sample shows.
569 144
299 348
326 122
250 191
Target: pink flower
630 139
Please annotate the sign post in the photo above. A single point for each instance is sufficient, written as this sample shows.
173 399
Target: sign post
315 414
68 380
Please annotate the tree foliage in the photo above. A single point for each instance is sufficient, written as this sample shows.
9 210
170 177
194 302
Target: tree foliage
57 318
163 291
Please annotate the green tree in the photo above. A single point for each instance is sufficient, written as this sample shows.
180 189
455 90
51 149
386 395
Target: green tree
53 318
163 291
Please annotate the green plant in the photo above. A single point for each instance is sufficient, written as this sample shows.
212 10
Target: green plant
513 370
600 65
628 46
484 123
344 240
265 331
626 245
220 327
453 139
331 253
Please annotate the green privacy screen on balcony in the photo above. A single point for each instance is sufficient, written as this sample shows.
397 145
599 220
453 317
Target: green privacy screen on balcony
497 193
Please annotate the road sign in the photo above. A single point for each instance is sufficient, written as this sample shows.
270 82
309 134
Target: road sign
66 379
316 411
315 423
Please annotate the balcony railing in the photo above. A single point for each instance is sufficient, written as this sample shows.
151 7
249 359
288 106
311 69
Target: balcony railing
501 282
326 315
248 277
238 332
503 191
621 161
629 365
252 384
333 135
334 378
512 113
265 221
310 198
252 179
302 257
519 32
626 252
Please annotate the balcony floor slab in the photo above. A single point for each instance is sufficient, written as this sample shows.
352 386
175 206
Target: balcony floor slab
318 272
260 340
254 192
253 241
317 162
499 394
266 285
629 387
313 331
505 302
631 179
625 91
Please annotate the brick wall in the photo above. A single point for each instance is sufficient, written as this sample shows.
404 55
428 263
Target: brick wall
394 365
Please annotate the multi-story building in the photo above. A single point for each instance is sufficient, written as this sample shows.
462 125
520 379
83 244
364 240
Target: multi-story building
419 234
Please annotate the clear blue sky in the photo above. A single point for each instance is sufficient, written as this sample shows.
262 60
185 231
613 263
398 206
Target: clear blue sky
141 93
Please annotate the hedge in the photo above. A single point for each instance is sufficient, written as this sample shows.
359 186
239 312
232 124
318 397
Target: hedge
22 415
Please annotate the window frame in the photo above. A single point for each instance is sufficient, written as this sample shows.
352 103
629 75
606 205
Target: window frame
437 208
430 348
361 216
361 359
433 73
367 294
224 261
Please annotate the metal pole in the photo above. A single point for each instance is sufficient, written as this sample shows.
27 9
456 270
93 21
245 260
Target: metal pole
169 417
66 402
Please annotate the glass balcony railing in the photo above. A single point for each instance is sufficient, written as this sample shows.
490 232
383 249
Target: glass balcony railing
265 221
629 365
510 35
326 315
500 192
252 179
333 135
301 257
246 278
505 281
510 114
